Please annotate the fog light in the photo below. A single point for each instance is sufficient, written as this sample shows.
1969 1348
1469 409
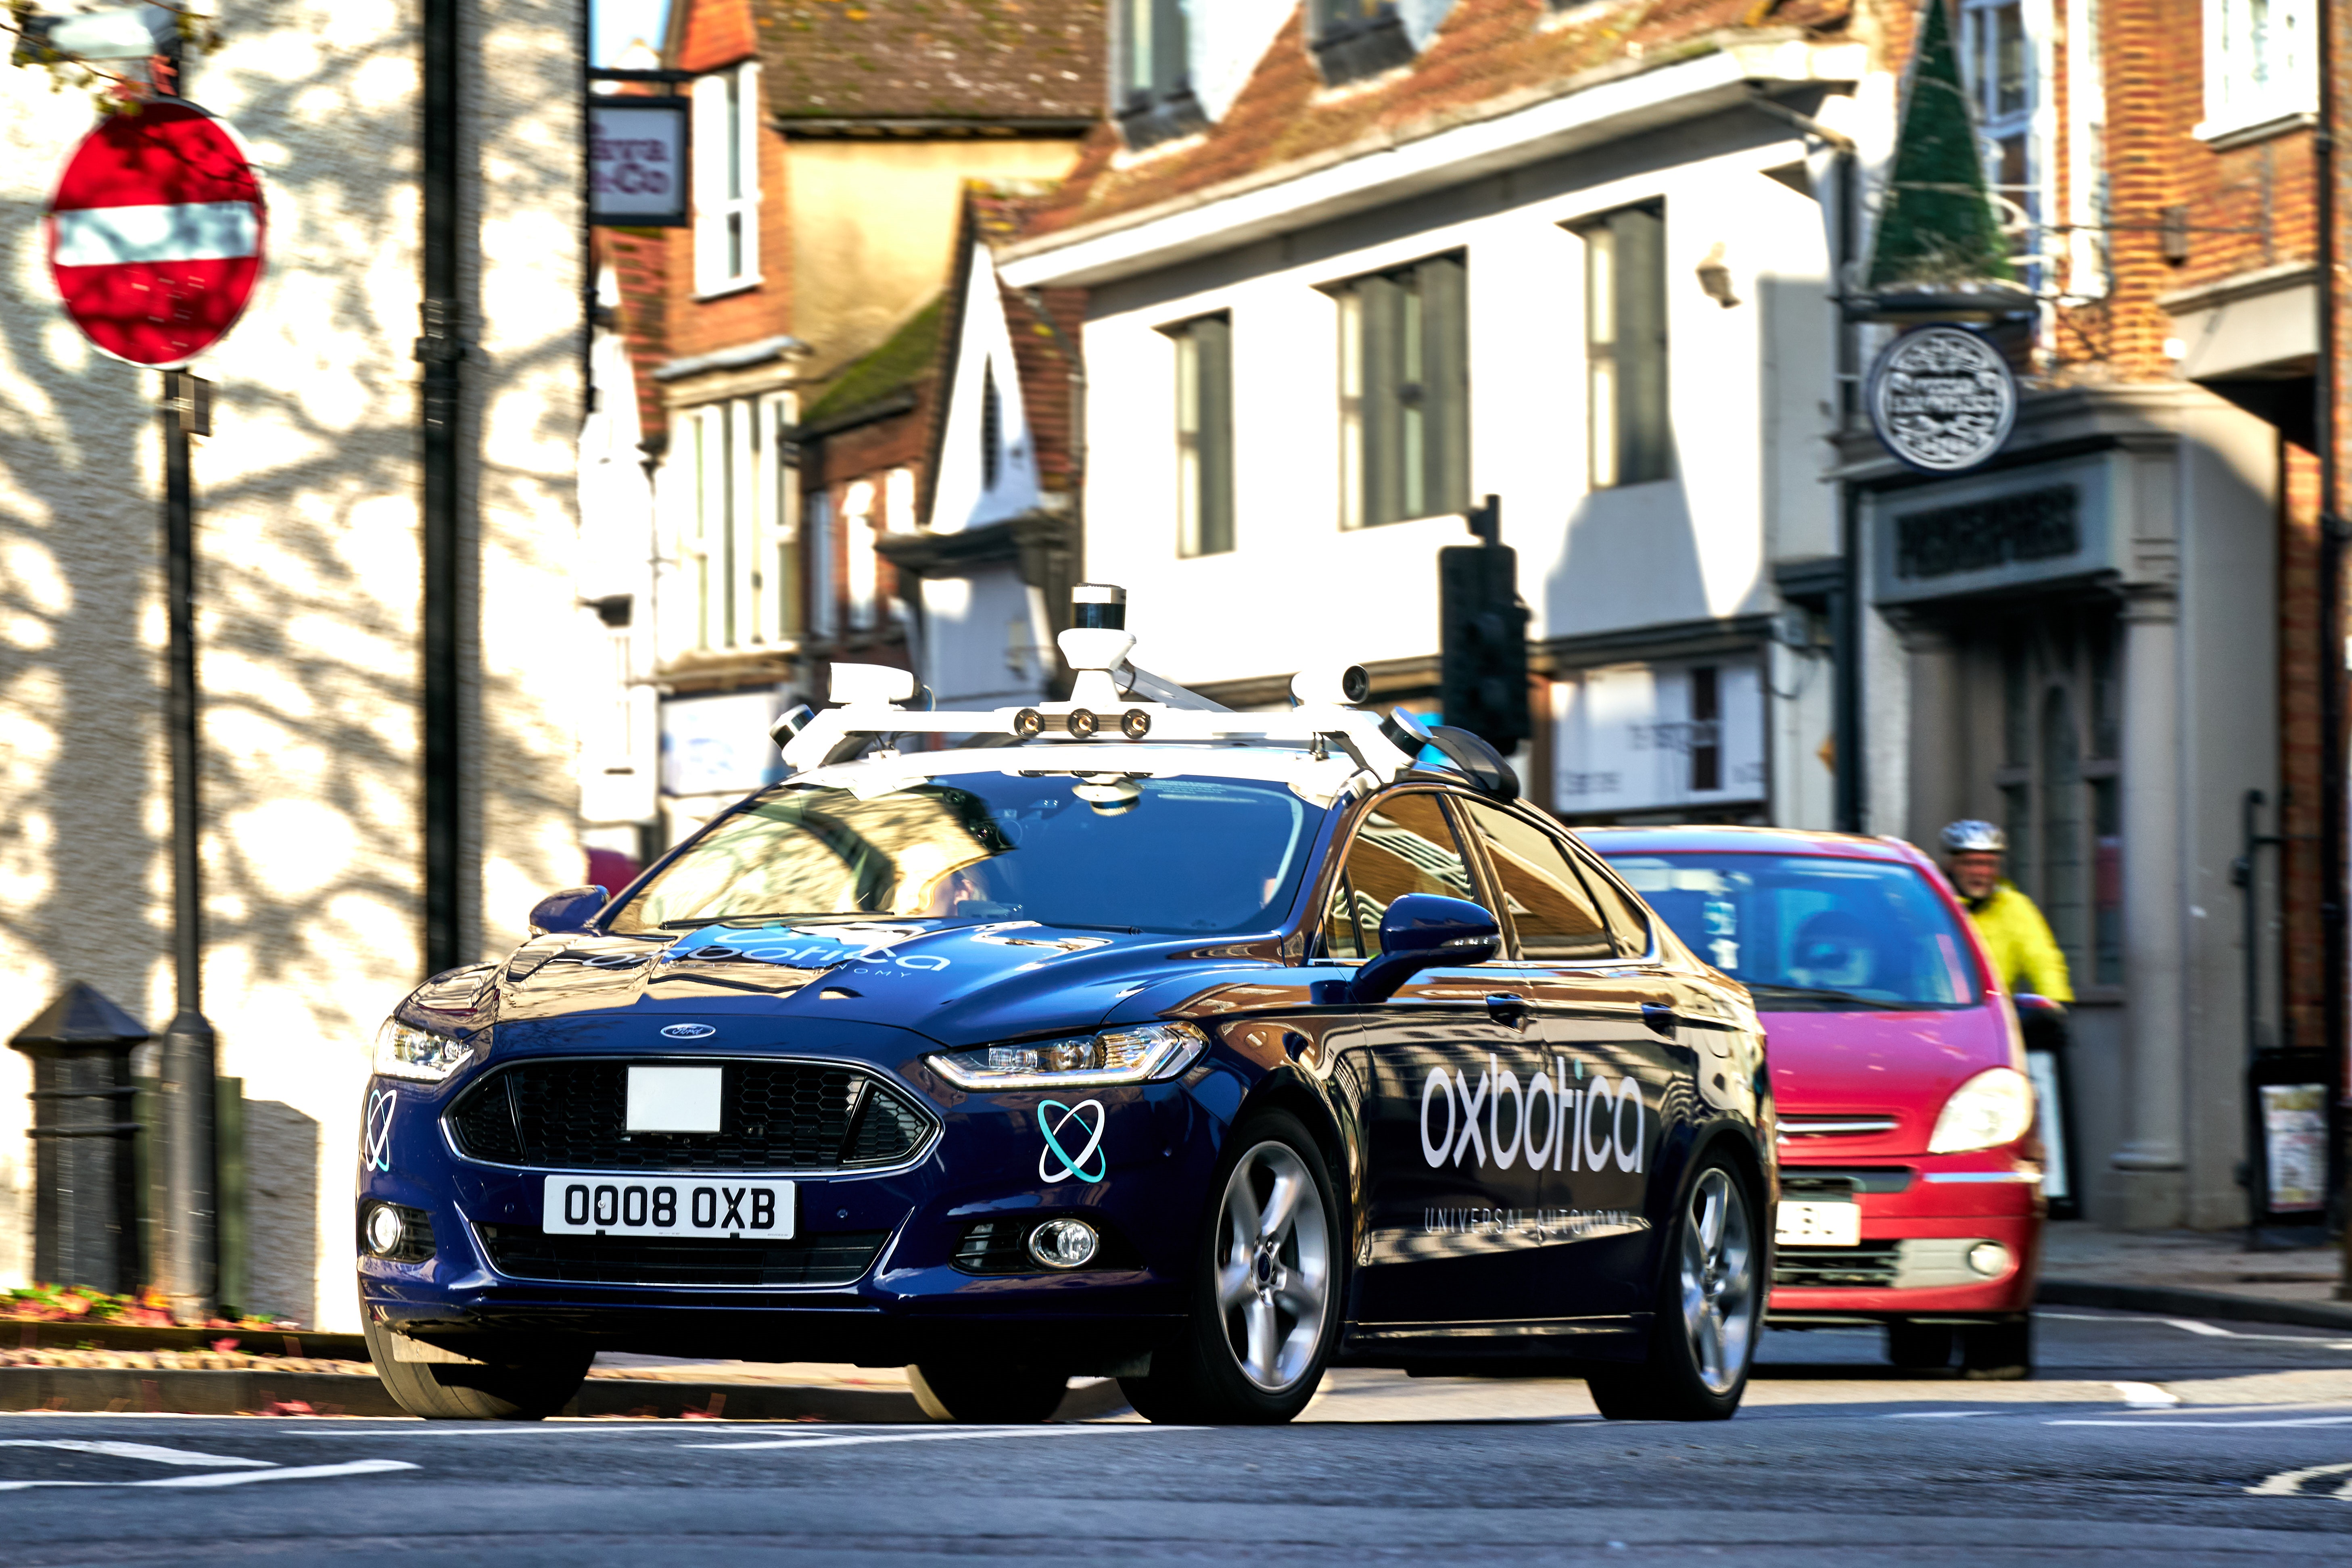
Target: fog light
383 1229
1064 1244
1989 1259
397 1234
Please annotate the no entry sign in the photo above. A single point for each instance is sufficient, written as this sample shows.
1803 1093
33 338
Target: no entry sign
155 233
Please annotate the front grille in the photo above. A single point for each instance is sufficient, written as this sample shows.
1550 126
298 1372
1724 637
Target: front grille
1842 1181
570 1114
1872 1265
526 1252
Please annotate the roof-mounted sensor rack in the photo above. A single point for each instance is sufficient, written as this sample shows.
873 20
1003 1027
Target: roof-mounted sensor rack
1112 702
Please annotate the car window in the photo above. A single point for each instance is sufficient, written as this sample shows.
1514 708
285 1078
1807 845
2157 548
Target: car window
1403 846
1812 931
1629 922
1182 855
1554 913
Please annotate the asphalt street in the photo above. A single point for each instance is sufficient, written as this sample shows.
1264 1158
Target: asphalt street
2143 1439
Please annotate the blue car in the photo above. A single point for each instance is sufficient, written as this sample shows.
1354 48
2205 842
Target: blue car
1121 1037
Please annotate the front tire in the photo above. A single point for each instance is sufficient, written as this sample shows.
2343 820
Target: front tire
455 1390
1709 1303
987 1396
1997 1353
1266 1289
1919 1347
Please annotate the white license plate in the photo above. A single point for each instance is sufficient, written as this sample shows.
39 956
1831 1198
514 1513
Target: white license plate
667 1205
1819 1224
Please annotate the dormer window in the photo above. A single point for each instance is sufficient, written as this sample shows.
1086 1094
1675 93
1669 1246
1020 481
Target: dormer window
1152 53
1358 38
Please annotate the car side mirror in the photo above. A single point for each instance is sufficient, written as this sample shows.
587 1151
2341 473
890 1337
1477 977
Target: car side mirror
568 911
1424 931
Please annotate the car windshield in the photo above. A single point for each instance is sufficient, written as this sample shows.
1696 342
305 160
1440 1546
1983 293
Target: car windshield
1804 931
1210 857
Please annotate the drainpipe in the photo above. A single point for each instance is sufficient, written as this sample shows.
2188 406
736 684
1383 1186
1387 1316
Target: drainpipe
2332 533
440 348
1846 604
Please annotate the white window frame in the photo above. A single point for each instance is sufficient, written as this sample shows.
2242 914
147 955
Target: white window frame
740 525
727 181
2033 121
2261 65
859 503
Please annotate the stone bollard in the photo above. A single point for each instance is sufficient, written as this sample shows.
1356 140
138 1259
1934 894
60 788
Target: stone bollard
86 1204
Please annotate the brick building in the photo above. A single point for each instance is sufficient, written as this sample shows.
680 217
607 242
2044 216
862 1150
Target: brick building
2112 689
780 375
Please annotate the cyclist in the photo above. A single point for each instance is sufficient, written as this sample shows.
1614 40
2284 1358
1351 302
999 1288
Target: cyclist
2025 956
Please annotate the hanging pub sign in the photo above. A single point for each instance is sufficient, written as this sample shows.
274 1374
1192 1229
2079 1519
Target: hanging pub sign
636 162
1942 398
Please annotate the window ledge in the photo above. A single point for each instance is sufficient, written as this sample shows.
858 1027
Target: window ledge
2223 134
732 286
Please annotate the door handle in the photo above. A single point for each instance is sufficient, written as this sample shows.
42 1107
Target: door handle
1508 1007
1659 1016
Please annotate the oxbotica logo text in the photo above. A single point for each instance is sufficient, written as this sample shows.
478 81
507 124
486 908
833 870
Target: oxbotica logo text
1588 1124
687 1032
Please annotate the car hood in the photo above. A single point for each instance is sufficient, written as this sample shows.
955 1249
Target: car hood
957 983
1870 1063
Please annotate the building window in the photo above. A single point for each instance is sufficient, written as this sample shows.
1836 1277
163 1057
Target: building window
2261 62
1404 392
738 535
992 428
2002 61
1357 38
1629 431
727 180
1153 53
859 505
820 565
1205 435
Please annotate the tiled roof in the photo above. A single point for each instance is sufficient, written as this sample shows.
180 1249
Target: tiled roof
933 59
1488 54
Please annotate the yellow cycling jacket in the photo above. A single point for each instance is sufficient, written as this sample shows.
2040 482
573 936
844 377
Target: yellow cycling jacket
2025 956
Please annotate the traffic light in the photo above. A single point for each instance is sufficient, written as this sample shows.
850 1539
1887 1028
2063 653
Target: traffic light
1482 636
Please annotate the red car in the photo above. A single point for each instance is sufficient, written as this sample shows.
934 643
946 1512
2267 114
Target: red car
1910 1166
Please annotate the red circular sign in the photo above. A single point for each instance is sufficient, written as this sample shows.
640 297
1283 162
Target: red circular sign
155 233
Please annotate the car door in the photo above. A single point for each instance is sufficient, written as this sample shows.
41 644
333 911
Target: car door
1604 1015
1449 1240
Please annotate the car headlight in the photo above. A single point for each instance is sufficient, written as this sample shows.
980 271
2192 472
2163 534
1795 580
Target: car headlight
1993 1107
403 1050
1135 1054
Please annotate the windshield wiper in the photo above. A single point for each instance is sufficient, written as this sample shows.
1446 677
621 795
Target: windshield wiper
697 921
1816 993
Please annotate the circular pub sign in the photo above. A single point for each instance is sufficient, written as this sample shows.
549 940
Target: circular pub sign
1942 398
154 234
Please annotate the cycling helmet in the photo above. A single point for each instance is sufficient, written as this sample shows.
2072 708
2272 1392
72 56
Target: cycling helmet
1969 834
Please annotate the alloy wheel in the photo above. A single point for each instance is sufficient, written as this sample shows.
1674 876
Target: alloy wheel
1718 1271
1273 1265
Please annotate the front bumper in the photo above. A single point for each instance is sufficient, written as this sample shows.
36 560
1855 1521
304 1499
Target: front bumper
1915 1241
894 1289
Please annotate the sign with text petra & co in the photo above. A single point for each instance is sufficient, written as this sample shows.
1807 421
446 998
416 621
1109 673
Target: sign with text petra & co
636 162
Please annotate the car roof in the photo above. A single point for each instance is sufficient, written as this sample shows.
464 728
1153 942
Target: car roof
1720 841
1317 779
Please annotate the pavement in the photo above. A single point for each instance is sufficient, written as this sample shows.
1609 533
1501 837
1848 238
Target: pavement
2216 1273
2145 1440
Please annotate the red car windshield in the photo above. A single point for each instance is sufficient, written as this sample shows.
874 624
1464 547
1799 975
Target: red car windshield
1806 932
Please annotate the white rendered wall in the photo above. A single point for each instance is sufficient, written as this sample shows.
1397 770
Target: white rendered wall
1297 588
308 532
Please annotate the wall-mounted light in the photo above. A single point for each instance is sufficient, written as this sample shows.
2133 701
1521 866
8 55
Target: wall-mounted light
1714 277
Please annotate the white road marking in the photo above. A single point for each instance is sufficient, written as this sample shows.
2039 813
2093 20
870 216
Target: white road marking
1937 1415
2146 1395
931 1437
148 1451
2289 1483
2169 1425
2209 1330
235 1478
